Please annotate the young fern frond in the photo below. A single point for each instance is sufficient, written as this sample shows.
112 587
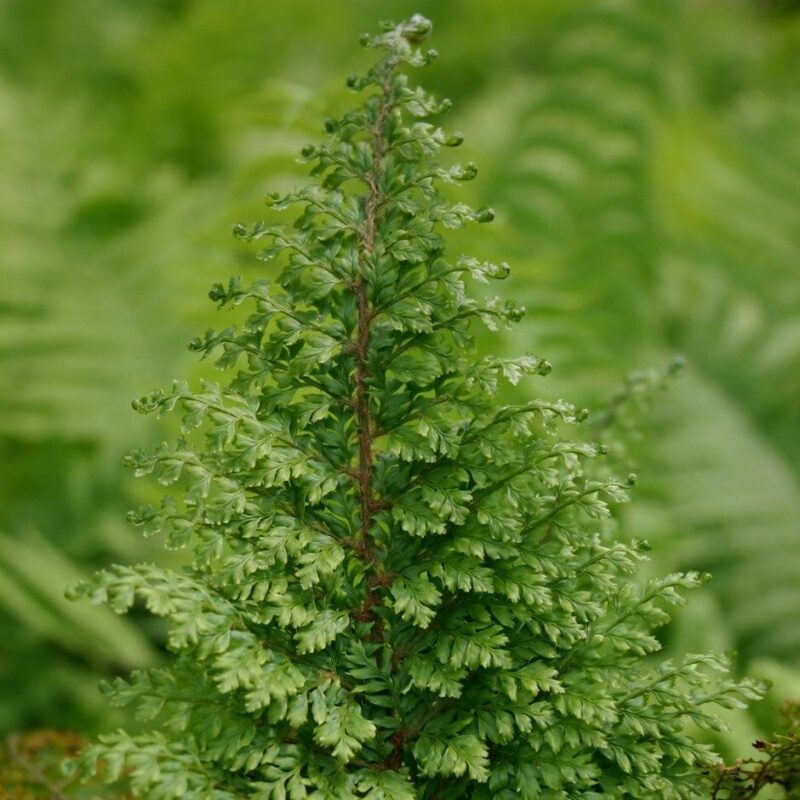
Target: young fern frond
399 589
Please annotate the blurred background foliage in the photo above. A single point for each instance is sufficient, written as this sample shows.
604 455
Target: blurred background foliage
644 161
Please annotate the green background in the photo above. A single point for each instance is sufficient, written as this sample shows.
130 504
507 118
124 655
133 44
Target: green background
644 162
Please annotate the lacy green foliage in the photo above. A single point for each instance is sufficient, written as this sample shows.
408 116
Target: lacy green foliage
97 292
778 765
400 588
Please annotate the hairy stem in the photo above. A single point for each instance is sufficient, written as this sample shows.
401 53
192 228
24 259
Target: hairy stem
365 424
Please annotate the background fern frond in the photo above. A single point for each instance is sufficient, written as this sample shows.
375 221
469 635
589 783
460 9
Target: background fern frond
659 225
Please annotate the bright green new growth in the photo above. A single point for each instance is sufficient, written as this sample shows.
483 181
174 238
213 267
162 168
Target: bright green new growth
400 589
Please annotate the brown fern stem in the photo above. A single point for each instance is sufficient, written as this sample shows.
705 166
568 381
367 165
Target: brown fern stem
364 421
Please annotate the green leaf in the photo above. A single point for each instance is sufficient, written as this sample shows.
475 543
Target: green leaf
326 626
415 599
455 755
342 728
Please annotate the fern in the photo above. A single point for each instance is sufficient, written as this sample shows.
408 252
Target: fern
399 587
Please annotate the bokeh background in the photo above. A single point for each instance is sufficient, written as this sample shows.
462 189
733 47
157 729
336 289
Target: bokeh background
644 162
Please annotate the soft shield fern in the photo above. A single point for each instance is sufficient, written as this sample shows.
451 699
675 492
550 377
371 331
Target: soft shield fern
399 589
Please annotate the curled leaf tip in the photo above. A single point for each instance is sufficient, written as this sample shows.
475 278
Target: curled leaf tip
417 29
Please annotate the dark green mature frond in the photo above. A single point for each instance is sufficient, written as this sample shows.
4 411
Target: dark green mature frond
399 587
